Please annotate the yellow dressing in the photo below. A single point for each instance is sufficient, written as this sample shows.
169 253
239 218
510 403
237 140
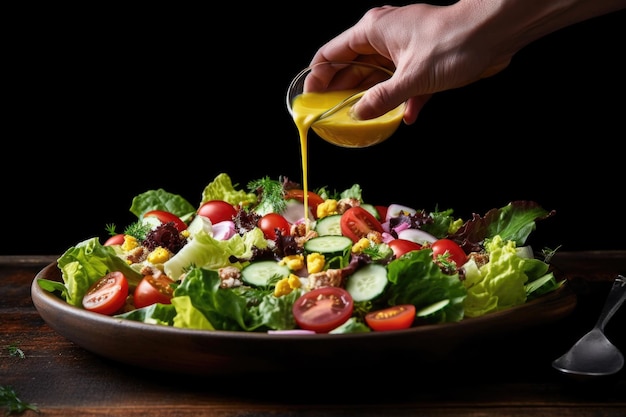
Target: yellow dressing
339 128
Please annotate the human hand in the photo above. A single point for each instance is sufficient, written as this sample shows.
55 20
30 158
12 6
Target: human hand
432 48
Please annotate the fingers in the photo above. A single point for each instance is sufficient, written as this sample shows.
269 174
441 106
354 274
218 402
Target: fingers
414 106
341 75
376 102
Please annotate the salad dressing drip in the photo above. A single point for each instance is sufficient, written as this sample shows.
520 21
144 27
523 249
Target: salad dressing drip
340 128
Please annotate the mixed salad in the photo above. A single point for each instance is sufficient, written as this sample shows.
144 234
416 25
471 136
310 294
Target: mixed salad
271 258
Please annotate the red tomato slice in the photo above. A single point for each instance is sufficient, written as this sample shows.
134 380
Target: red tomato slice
356 222
108 294
323 309
402 246
456 253
392 318
272 221
153 290
117 239
314 199
166 217
217 211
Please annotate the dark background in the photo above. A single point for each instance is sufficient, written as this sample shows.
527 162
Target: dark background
108 103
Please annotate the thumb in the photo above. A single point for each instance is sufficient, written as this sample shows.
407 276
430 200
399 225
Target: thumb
378 100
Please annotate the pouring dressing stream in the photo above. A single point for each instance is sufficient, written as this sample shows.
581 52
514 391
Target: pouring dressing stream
328 114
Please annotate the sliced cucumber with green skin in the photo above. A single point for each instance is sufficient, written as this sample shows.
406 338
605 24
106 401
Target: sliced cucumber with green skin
336 249
427 311
264 273
368 282
329 225
329 244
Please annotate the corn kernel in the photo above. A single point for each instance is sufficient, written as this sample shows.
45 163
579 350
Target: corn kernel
293 262
315 262
361 245
282 288
294 281
159 255
130 242
327 208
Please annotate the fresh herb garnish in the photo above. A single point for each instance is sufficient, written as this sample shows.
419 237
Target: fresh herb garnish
446 263
548 253
110 228
15 351
379 252
138 230
12 403
271 195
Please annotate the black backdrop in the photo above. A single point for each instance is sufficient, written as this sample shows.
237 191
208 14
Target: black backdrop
110 103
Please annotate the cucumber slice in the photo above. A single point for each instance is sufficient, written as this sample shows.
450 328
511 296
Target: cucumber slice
372 210
264 273
336 249
329 225
368 282
328 244
428 310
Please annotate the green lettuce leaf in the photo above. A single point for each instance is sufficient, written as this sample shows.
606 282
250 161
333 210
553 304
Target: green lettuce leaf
162 200
88 261
189 317
498 284
162 314
221 188
203 251
418 280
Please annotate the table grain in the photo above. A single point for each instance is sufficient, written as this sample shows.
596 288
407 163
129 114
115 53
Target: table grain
62 379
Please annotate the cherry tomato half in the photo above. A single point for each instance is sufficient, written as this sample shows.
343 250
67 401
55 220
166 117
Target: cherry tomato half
323 309
166 217
153 290
456 253
356 222
402 246
217 211
314 199
391 318
272 221
117 239
108 294
382 212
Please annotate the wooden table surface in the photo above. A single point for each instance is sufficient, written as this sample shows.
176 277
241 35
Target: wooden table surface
62 379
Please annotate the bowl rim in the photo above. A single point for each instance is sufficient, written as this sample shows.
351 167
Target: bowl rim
221 352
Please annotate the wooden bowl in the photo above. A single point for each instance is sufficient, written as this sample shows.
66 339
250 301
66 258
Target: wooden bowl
204 352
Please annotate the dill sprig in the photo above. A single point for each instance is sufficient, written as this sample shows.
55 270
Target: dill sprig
138 230
271 195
